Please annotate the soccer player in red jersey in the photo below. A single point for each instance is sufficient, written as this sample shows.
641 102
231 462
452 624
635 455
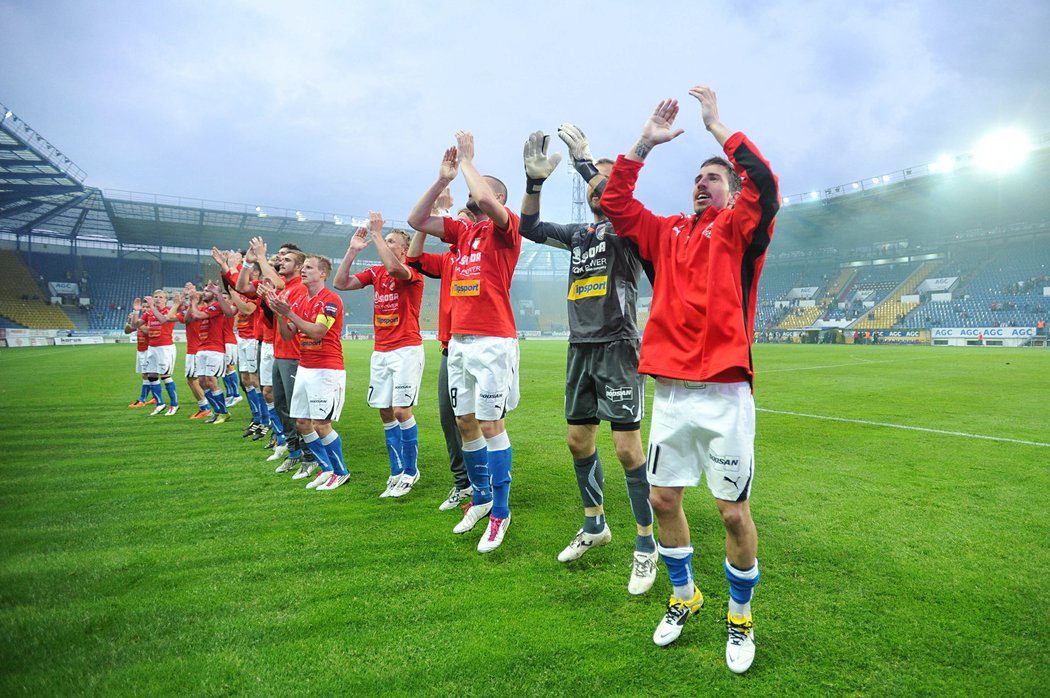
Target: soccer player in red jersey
483 351
439 266
142 340
316 316
160 357
697 345
396 367
192 345
210 362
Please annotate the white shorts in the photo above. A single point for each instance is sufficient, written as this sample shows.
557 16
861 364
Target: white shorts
318 394
395 377
707 427
266 364
482 375
140 361
160 360
248 355
209 363
231 355
191 366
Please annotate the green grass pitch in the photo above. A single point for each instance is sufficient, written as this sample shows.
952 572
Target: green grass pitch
160 556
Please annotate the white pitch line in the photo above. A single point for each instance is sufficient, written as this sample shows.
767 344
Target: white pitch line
903 426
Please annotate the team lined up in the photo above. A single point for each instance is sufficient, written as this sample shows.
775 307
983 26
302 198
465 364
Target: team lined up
704 268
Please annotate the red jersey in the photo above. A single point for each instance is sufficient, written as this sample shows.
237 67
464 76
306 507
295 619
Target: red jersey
246 324
159 332
264 328
481 276
193 339
439 266
210 328
325 308
228 325
396 304
703 311
142 338
284 348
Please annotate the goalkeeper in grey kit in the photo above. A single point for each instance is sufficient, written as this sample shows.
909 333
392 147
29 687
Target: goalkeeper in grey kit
602 381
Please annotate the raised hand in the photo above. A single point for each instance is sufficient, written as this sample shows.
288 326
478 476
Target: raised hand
375 223
233 259
277 304
708 103
579 148
257 249
360 240
658 129
219 257
465 145
136 305
449 165
538 165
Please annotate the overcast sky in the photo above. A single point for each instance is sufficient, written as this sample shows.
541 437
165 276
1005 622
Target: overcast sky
340 107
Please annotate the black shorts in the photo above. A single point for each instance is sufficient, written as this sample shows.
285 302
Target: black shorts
602 383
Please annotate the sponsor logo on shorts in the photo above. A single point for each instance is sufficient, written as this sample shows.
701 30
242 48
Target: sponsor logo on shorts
466 288
619 394
491 396
727 462
589 287
387 320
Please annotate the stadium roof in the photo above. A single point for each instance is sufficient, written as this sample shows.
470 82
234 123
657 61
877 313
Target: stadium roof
42 195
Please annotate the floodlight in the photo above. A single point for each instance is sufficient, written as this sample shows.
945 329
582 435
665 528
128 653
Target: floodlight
814 195
8 115
885 178
1002 150
787 200
856 185
874 180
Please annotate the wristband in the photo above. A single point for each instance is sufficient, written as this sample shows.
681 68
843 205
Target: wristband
533 185
586 169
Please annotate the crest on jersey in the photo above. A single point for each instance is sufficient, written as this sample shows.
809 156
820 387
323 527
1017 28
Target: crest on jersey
390 284
599 232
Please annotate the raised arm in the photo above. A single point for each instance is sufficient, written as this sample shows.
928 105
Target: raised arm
133 317
538 167
658 129
394 266
415 247
480 190
227 309
266 270
344 280
243 307
422 217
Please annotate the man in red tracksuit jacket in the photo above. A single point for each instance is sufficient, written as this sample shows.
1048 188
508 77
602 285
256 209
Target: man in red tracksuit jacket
697 344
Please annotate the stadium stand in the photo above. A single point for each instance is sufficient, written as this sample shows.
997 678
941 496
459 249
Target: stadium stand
22 300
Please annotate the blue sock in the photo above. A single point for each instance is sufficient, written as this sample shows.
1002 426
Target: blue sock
476 458
211 401
144 393
334 447
219 400
230 380
319 451
262 415
409 445
500 456
741 585
392 433
173 398
204 405
275 423
679 564
252 404
154 388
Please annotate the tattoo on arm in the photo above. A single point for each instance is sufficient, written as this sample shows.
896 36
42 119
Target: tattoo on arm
641 150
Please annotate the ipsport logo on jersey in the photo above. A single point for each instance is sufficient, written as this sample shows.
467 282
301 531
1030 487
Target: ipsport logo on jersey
387 320
588 288
466 288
